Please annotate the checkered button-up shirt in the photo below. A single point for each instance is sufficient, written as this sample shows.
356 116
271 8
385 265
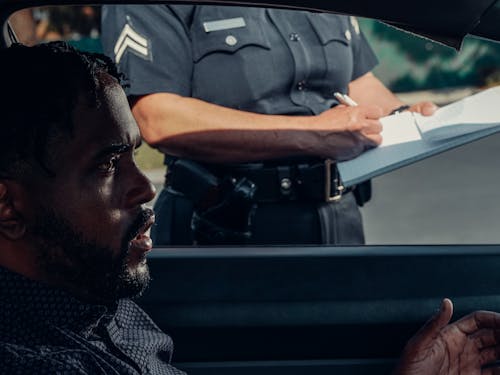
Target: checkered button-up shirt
44 330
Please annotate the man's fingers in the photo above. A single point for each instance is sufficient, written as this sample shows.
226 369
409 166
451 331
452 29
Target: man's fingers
489 355
3 190
491 370
435 324
443 316
485 338
471 323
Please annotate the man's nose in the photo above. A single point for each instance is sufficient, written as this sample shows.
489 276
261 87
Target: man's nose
140 191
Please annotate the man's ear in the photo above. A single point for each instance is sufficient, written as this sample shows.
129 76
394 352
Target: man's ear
12 224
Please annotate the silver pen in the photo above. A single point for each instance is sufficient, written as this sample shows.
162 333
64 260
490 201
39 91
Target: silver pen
345 99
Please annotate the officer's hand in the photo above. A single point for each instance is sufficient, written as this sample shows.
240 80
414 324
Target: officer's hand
460 348
348 131
424 108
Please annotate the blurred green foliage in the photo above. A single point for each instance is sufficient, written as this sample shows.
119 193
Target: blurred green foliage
148 158
408 62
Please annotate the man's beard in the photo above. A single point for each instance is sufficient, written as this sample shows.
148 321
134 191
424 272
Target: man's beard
93 271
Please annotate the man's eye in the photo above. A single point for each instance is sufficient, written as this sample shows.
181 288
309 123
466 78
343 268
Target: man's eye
110 165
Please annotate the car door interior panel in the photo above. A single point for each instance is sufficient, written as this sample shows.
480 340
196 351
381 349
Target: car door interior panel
316 309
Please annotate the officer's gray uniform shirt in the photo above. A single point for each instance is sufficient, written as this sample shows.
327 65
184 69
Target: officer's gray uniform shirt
259 60
269 61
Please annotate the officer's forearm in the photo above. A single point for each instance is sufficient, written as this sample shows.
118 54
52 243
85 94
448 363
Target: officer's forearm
194 129
368 89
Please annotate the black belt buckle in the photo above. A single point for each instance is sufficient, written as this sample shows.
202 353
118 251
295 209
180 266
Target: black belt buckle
332 195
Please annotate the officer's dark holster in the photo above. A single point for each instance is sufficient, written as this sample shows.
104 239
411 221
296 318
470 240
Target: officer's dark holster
225 197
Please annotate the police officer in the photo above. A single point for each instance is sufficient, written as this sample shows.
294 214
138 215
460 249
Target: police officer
241 102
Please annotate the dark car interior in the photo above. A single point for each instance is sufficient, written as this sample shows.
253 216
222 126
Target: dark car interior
318 310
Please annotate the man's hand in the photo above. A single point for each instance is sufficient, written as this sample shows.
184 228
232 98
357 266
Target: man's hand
460 348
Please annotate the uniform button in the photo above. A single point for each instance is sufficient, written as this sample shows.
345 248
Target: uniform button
231 40
348 35
294 37
286 183
301 85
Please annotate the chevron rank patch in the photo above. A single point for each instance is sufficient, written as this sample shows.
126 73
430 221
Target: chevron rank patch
131 40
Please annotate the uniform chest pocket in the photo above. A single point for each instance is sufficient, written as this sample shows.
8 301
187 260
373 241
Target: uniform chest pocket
334 35
233 65
330 28
227 39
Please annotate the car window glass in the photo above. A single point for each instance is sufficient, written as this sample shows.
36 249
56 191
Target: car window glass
451 198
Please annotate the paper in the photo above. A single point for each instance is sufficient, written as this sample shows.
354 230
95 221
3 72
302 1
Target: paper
409 137
477 112
399 128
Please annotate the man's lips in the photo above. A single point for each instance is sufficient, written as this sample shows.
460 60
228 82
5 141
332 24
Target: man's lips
142 242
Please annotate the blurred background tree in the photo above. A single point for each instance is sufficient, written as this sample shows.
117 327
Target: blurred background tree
413 63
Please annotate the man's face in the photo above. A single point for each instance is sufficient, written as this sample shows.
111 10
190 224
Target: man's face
89 224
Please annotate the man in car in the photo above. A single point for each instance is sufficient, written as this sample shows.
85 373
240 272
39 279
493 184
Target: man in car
74 233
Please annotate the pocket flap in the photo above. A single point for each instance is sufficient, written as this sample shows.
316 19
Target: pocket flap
330 27
226 35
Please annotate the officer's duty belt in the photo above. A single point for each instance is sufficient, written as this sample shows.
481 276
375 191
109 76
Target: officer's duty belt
307 182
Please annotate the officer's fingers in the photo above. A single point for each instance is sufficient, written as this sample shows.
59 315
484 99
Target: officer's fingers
366 126
372 111
373 140
370 139
372 127
424 108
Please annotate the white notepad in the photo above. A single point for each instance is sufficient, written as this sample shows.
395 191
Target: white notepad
409 137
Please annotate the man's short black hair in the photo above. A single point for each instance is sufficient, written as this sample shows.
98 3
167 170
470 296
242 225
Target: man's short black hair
40 88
